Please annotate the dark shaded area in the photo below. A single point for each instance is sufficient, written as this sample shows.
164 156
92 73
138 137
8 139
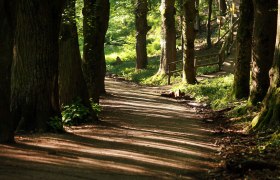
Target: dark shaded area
141 136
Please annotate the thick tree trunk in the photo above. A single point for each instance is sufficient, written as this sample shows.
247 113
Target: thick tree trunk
241 87
222 7
95 27
71 81
209 43
270 113
265 20
142 29
34 86
168 36
189 14
6 56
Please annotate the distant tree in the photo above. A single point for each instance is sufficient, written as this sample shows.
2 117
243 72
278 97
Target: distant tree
270 113
209 43
71 81
189 14
103 21
34 81
6 56
241 85
142 29
222 7
168 36
96 16
197 17
265 20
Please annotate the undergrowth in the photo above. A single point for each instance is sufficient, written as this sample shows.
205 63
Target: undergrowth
74 114
216 91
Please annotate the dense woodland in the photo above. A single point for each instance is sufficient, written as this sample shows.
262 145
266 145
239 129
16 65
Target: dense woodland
55 55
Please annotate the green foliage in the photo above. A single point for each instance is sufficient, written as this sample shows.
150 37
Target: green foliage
127 70
79 21
273 142
55 124
216 91
96 108
207 70
75 113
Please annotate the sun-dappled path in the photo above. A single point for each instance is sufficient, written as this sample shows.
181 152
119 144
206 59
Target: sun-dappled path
141 136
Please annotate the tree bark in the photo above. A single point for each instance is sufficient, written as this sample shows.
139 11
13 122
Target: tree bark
71 81
189 14
241 87
142 29
209 43
168 36
34 85
265 21
222 7
197 17
270 113
103 22
6 56
94 30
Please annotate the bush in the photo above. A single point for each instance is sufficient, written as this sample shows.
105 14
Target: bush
73 114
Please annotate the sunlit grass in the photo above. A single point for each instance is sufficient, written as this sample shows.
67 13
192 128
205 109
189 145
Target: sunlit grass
216 91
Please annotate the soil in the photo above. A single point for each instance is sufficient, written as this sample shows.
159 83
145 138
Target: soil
141 135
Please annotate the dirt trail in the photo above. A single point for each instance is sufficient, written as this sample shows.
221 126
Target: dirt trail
141 136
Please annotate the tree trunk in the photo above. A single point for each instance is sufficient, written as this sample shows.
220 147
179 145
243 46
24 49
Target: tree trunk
34 85
168 36
142 29
103 22
270 113
209 43
71 81
265 20
189 14
94 30
6 56
222 7
197 17
241 87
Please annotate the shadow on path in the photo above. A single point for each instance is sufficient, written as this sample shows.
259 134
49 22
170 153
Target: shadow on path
141 136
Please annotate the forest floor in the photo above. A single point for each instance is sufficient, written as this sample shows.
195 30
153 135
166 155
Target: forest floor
141 135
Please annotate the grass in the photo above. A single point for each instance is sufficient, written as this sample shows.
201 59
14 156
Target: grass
216 91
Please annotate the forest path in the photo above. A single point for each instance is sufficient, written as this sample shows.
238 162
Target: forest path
141 136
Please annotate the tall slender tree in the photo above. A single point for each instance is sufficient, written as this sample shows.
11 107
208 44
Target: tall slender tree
142 29
241 87
71 81
103 21
6 56
96 17
197 17
209 43
265 22
222 7
34 85
168 36
189 14
270 113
